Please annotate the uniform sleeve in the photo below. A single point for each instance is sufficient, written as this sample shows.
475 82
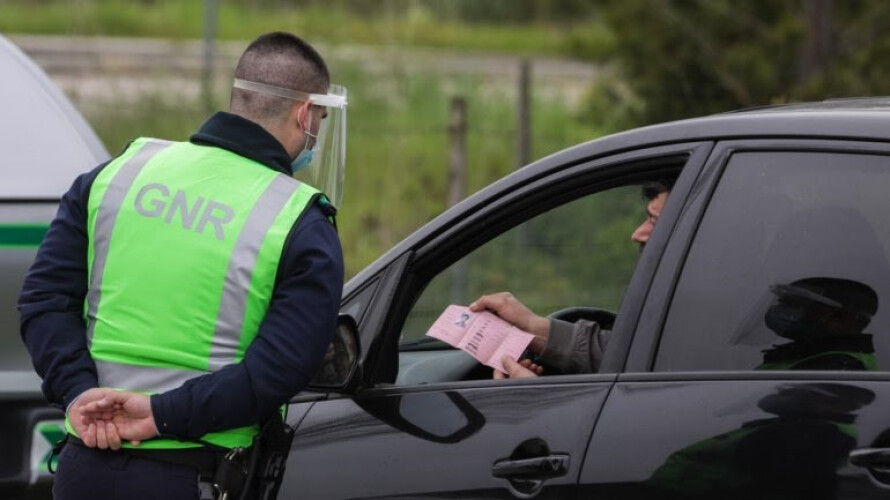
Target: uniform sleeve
51 303
575 347
286 352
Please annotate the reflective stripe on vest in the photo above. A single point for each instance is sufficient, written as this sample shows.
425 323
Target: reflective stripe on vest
180 224
105 218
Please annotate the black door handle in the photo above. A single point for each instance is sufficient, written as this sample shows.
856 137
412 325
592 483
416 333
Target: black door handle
871 457
545 467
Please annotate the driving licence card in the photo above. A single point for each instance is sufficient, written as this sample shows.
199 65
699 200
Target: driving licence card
483 335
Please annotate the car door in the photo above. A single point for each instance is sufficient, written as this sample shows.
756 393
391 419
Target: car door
427 421
760 356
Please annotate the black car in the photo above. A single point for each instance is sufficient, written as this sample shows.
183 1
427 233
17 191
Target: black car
746 359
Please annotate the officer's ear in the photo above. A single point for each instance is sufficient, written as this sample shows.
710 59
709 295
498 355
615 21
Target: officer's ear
301 114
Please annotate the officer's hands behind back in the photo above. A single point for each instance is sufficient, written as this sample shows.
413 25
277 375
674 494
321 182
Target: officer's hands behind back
103 418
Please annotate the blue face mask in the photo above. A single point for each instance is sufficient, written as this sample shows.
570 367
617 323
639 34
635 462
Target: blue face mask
302 160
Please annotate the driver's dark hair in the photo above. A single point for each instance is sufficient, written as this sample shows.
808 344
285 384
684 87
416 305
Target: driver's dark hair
653 188
279 59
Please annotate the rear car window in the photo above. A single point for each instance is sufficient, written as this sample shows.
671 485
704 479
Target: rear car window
788 269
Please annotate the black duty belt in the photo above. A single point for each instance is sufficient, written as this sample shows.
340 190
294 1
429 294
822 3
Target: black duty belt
206 460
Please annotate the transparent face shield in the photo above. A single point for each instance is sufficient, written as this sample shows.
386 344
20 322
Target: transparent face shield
327 170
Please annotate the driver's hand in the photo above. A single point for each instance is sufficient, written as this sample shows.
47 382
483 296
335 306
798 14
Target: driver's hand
508 308
522 369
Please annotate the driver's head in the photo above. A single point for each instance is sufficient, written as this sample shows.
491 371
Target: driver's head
656 193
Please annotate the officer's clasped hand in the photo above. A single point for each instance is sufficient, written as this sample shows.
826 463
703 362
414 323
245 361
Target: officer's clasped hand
104 418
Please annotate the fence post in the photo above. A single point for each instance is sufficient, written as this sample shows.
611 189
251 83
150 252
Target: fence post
457 186
523 141
209 54
524 115
457 168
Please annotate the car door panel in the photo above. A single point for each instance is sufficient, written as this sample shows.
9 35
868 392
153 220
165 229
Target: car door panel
735 438
438 443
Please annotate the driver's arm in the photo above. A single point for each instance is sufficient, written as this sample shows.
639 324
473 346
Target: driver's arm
567 347
575 347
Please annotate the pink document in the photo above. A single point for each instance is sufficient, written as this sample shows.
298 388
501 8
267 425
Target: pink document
483 335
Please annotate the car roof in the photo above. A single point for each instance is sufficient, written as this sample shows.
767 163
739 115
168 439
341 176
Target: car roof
845 103
860 119
44 141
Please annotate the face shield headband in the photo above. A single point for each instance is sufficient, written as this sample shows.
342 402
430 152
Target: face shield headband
326 170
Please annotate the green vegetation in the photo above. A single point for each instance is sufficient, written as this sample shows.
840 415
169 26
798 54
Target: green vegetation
399 22
398 144
712 56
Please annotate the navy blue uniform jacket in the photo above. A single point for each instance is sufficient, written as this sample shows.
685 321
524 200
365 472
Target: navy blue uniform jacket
289 345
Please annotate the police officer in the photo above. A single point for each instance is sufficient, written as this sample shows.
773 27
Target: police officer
200 277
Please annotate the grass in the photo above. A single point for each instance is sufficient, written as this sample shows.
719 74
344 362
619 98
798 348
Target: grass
184 20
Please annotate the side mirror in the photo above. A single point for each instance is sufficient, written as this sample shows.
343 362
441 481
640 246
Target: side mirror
341 359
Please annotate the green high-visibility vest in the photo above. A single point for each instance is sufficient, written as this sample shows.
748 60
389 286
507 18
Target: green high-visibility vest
184 246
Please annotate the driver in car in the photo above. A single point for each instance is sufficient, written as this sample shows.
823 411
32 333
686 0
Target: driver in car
562 346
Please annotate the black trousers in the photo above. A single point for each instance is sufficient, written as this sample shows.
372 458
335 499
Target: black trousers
92 474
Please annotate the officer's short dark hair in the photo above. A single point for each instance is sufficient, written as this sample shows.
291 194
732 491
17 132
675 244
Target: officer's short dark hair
653 188
279 59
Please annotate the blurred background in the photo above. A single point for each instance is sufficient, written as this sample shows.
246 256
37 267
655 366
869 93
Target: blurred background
500 83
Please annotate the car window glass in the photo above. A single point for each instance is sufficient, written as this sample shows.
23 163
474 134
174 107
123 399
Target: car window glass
577 254
788 269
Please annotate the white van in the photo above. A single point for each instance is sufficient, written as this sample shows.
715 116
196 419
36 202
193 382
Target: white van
44 144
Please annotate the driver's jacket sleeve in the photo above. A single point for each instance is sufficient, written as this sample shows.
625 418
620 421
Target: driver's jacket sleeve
575 347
